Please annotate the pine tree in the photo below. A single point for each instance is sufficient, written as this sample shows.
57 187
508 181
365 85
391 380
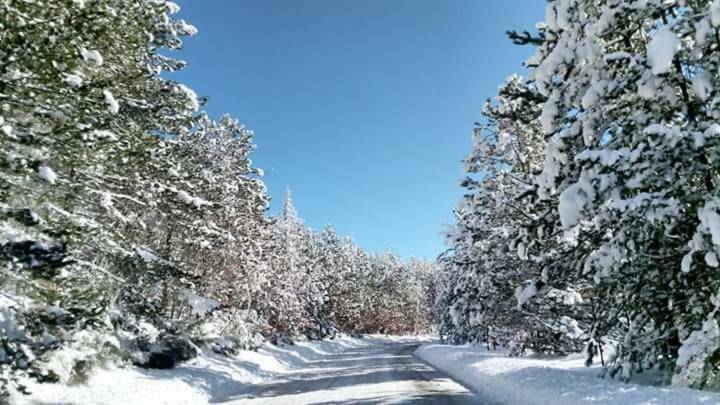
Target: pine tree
79 100
626 194
291 285
133 227
494 287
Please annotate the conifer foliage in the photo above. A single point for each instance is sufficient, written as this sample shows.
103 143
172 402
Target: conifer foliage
133 227
595 218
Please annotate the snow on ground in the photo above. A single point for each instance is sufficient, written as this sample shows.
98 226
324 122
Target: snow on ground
208 378
560 381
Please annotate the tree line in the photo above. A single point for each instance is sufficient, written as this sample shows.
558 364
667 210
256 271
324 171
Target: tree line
134 227
591 218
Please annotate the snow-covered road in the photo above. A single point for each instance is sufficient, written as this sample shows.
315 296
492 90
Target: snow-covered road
373 369
378 374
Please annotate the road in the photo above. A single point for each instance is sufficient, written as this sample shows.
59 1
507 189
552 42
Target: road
382 374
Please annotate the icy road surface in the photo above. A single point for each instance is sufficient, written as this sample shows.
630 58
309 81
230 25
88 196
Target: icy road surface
379 374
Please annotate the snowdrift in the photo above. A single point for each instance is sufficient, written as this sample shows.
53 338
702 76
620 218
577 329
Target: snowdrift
208 378
562 381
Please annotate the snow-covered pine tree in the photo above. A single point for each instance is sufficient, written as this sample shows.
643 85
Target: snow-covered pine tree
202 234
333 269
78 100
351 288
292 291
492 275
133 225
630 121
422 292
319 324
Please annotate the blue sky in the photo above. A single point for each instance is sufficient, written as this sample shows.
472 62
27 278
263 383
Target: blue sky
363 107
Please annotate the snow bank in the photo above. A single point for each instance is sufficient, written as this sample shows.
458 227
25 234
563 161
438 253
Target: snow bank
548 382
208 378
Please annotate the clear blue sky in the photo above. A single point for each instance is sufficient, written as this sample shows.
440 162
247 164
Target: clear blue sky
363 107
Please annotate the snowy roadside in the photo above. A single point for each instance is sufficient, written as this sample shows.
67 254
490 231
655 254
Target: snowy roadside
547 382
208 378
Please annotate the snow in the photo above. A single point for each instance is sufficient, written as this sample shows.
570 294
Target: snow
8 327
593 94
186 198
106 200
16 74
715 13
91 56
710 220
73 79
48 174
83 345
568 296
572 202
549 113
604 156
173 8
693 353
187 29
200 305
147 255
207 379
702 30
603 260
702 84
560 381
551 17
662 49
647 88
554 158
711 259
191 97
522 251
113 105
504 139
524 294
686 263
711 132
571 328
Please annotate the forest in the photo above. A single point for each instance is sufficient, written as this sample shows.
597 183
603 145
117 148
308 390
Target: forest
590 220
135 227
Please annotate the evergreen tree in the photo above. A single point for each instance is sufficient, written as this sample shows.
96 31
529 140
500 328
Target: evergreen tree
79 101
493 275
616 235
626 90
133 227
